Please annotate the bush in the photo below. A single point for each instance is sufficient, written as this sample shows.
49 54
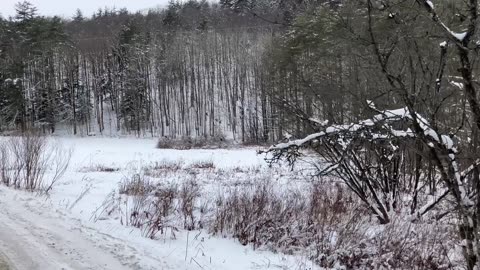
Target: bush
189 193
28 160
186 143
136 185
162 167
327 223
146 206
203 165
99 168
324 220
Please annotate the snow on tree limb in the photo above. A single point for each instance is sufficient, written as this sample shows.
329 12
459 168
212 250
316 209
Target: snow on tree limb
384 117
457 37
346 147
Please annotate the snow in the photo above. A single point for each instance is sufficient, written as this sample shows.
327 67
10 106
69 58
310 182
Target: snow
299 143
384 117
459 36
457 84
447 141
371 104
319 122
13 81
59 231
387 115
118 152
430 4
432 201
33 239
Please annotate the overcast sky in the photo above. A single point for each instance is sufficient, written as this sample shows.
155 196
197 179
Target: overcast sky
67 8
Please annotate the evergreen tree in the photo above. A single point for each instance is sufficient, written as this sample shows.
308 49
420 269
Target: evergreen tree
25 11
78 17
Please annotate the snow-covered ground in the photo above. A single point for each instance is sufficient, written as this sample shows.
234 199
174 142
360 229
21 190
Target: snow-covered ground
64 231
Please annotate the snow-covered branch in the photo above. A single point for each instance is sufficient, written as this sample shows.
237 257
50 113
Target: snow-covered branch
368 154
457 37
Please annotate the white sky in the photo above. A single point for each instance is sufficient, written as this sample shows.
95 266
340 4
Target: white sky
67 8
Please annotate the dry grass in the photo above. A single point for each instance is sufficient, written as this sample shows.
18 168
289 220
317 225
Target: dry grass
329 224
136 185
147 206
323 221
160 168
99 168
186 143
203 165
188 195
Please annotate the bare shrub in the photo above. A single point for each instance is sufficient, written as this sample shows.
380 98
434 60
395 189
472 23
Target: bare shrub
203 164
31 151
420 246
252 169
99 168
329 224
110 206
189 193
12 167
5 170
147 206
59 162
168 165
259 216
27 159
161 209
186 143
152 207
167 195
166 143
324 220
136 185
159 168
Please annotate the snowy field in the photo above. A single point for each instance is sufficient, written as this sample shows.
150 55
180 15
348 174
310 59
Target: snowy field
67 229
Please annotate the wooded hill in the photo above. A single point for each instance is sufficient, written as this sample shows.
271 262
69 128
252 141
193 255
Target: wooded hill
193 69
251 71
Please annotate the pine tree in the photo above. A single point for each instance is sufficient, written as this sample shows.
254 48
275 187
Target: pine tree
25 11
78 17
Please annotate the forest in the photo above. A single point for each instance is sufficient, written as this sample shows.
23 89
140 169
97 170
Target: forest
194 69
382 95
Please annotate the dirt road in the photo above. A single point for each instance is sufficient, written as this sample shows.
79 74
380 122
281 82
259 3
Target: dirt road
32 240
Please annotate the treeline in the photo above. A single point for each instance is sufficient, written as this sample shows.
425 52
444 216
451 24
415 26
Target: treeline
252 71
192 69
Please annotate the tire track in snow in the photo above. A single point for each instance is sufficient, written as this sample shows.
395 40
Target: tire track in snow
32 241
